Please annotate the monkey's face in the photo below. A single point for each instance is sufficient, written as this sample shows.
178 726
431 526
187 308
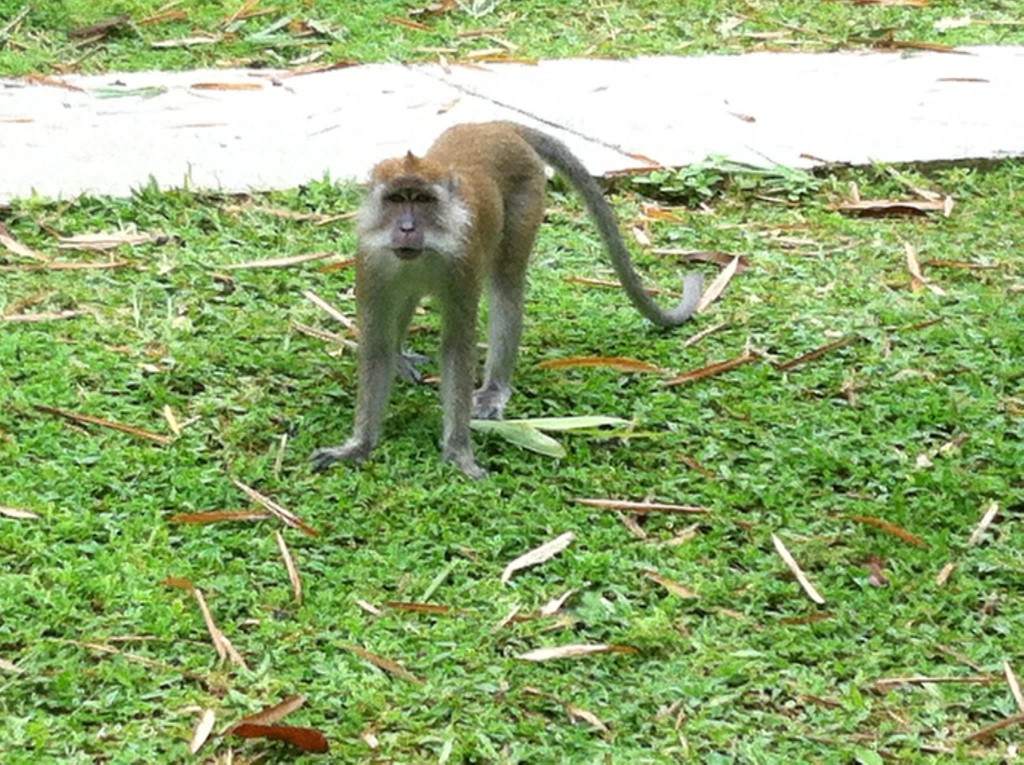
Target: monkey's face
412 207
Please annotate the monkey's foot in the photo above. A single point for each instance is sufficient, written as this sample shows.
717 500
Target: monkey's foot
407 363
463 460
350 451
489 402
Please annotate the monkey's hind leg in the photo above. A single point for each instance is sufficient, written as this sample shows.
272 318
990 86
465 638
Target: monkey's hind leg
505 298
458 362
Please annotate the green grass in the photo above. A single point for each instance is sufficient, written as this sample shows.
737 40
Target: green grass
750 671
790 453
289 30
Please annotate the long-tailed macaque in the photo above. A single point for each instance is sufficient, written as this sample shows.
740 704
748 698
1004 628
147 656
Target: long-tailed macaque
445 225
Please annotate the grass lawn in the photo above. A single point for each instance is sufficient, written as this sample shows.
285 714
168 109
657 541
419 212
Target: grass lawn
873 462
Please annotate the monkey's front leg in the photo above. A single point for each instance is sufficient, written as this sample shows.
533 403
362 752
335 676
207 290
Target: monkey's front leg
458 364
378 359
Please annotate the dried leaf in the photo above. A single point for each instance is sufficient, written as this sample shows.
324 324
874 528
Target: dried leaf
890 528
371 739
287 516
187 42
573 650
407 23
790 561
887 683
387 665
219 516
294 260
912 3
578 713
619 363
1011 680
10 666
180 582
672 586
641 507
100 29
69 266
306 739
101 242
506 620
540 554
918 279
717 287
876 567
817 353
79 418
943 576
719 367
369 607
10 243
202 731
331 311
554 605
425 608
984 523
877 208
289 564
17 513
26 318
227 86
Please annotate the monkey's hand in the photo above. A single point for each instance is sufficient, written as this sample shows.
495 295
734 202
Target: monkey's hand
350 451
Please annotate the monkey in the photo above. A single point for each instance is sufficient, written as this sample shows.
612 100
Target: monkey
446 225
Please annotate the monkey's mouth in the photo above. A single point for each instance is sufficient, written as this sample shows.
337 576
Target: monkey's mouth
406 253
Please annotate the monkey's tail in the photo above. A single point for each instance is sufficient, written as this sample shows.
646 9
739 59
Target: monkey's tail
558 155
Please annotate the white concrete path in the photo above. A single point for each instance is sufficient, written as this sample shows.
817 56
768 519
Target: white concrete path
790 109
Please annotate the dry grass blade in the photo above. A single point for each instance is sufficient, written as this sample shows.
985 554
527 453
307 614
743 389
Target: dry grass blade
578 713
554 605
287 516
211 626
694 339
425 608
27 318
219 516
619 363
202 731
289 564
817 353
152 663
790 561
984 523
17 513
943 576
329 309
387 665
711 370
172 421
14 246
890 528
672 586
983 733
79 418
537 555
572 651
886 683
10 666
293 260
1011 680
589 282
369 607
271 714
717 287
507 620
69 266
641 507
717 257
227 86
918 279
104 241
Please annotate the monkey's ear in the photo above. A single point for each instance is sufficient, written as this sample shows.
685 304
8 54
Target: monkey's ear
409 161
